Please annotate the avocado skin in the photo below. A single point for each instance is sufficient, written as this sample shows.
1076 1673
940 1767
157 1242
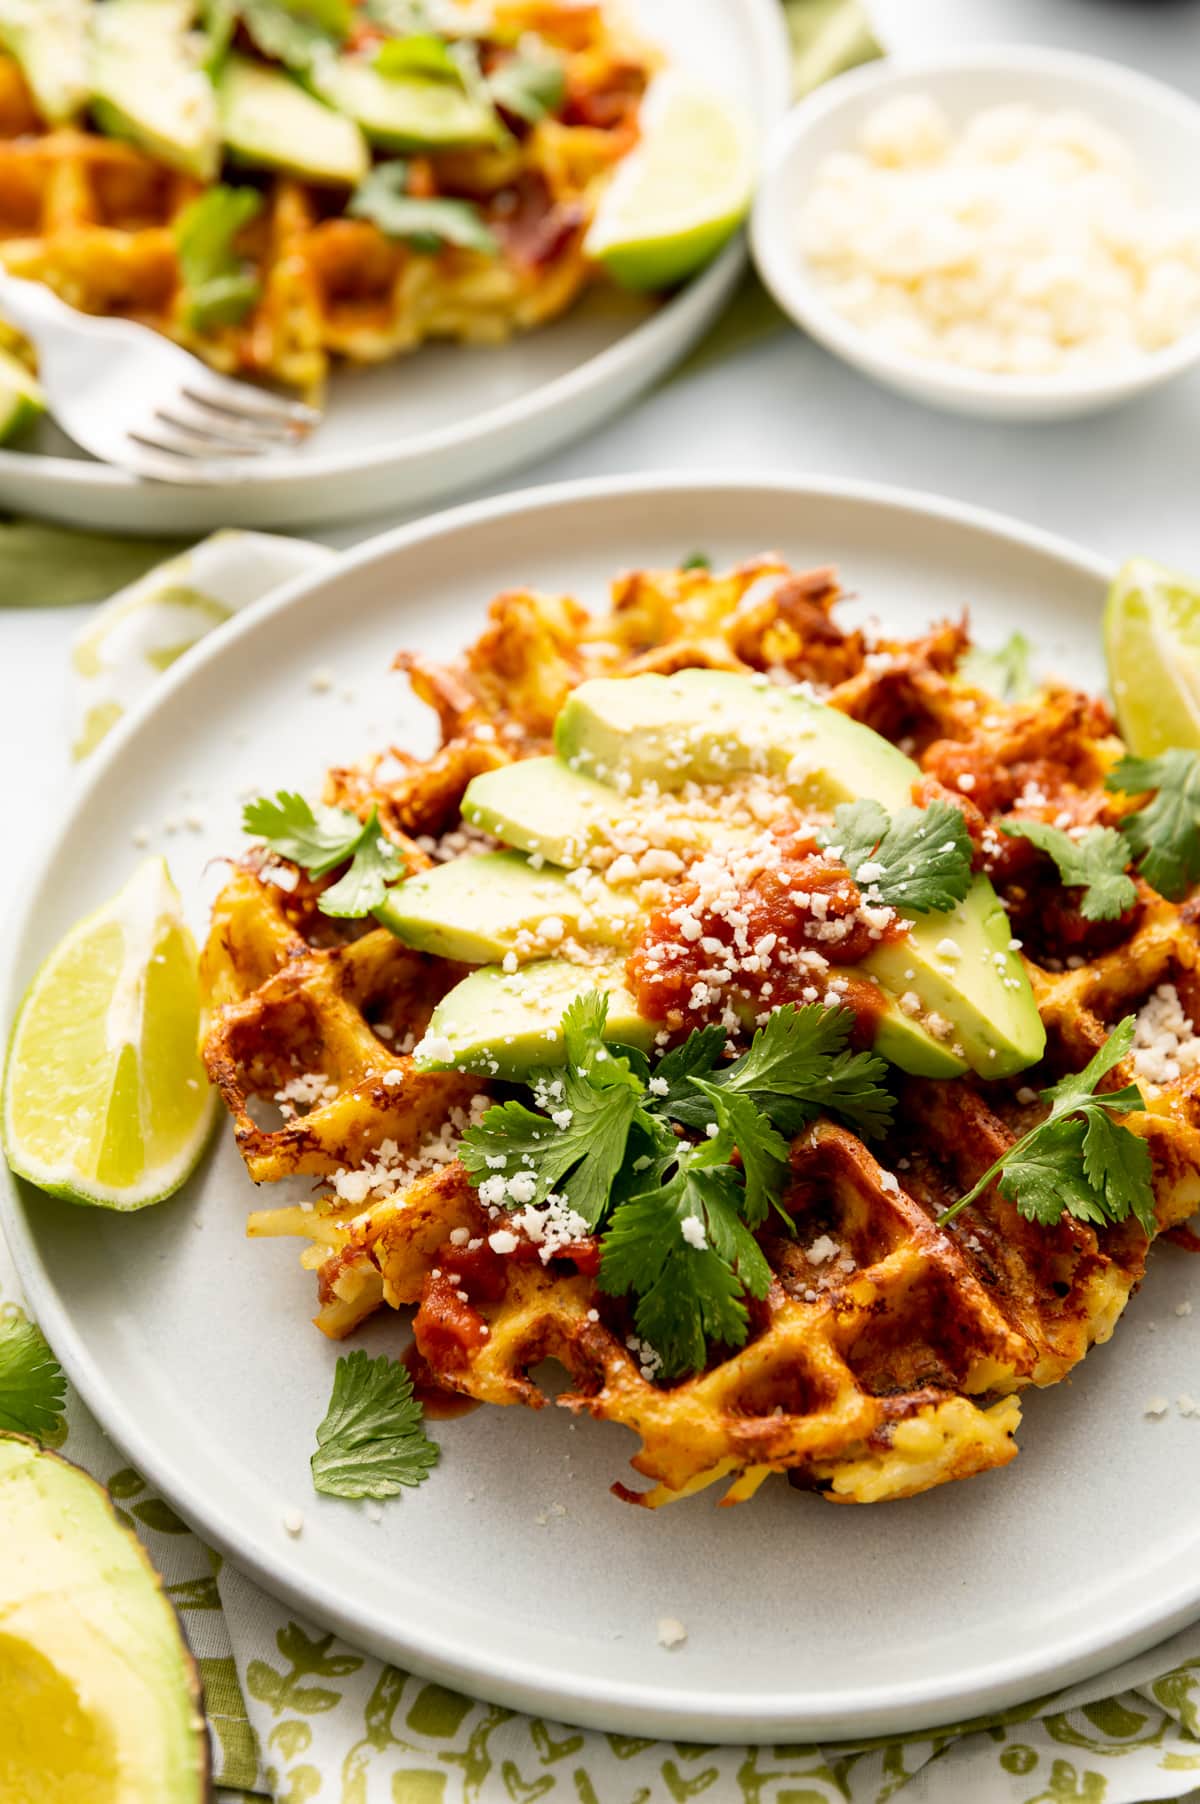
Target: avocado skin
76 1506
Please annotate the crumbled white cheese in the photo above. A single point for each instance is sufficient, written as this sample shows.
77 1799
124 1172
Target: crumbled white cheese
671 1632
693 1231
1165 1045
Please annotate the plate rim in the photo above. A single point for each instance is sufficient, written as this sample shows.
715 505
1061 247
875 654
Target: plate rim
605 1704
653 344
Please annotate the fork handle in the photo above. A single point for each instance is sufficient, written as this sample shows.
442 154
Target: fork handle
30 306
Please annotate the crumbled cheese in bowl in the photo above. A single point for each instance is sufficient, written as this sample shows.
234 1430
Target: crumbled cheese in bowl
1027 243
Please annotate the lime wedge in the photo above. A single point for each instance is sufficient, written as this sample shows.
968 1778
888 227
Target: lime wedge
1152 642
686 188
20 397
105 1099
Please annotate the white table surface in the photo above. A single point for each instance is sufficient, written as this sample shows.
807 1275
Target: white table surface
1126 482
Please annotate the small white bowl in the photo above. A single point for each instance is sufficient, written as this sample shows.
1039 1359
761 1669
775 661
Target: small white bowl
1161 126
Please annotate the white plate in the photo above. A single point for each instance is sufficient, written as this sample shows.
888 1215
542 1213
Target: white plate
403 433
195 1349
1161 126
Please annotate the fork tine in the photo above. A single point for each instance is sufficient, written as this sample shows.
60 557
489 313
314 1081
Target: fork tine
212 390
220 429
158 435
149 464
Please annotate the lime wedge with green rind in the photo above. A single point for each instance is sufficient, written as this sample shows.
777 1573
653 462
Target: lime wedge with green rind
105 1099
21 400
682 193
1152 643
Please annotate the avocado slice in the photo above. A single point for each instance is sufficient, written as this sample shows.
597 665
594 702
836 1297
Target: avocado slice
48 38
506 1025
269 121
147 84
546 808
478 909
956 971
21 399
99 1696
404 112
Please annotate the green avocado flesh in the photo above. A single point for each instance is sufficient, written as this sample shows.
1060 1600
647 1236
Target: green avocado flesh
955 993
404 113
99 1699
269 121
147 85
477 910
506 1025
48 38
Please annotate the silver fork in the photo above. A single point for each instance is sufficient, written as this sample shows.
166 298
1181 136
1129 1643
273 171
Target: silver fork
134 399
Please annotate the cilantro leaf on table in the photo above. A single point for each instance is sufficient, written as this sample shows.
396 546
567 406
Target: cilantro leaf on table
529 86
297 32
1094 863
1165 834
219 287
425 223
321 838
689 1259
1005 672
372 1441
917 860
33 1389
1078 1161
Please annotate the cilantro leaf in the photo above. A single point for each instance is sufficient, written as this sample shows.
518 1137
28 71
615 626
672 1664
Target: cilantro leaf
672 1092
1095 863
1005 672
372 1441
917 860
586 1048
297 32
420 53
1165 834
797 1067
320 838
426 224
528 86
764 1152
1078 1161
218 287
33 1389
317 838
690 1286
696 560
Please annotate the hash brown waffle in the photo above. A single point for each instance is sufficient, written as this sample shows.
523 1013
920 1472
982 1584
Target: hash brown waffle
888 1353
96 219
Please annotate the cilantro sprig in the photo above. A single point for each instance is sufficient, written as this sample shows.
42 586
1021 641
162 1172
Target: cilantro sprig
372 1441
1094 863
528 85
427 223
1078 1161
611 1138
1006 672
917 860
218 286
321 838
1164 835
33 1389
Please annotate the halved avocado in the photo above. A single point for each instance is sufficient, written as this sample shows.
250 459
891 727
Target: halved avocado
100 1700
477 910
502 1025
270 122
48 38
147 84
401 112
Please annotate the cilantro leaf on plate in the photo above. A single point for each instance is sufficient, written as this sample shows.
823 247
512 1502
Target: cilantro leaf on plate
219 287
1005 672
917 860
33 1389
321 838
529 86
1165 834
1094 863
1078 1161
427 224
372 1441
683 1251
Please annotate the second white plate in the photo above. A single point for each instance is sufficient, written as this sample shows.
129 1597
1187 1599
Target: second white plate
399 434
196 1351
